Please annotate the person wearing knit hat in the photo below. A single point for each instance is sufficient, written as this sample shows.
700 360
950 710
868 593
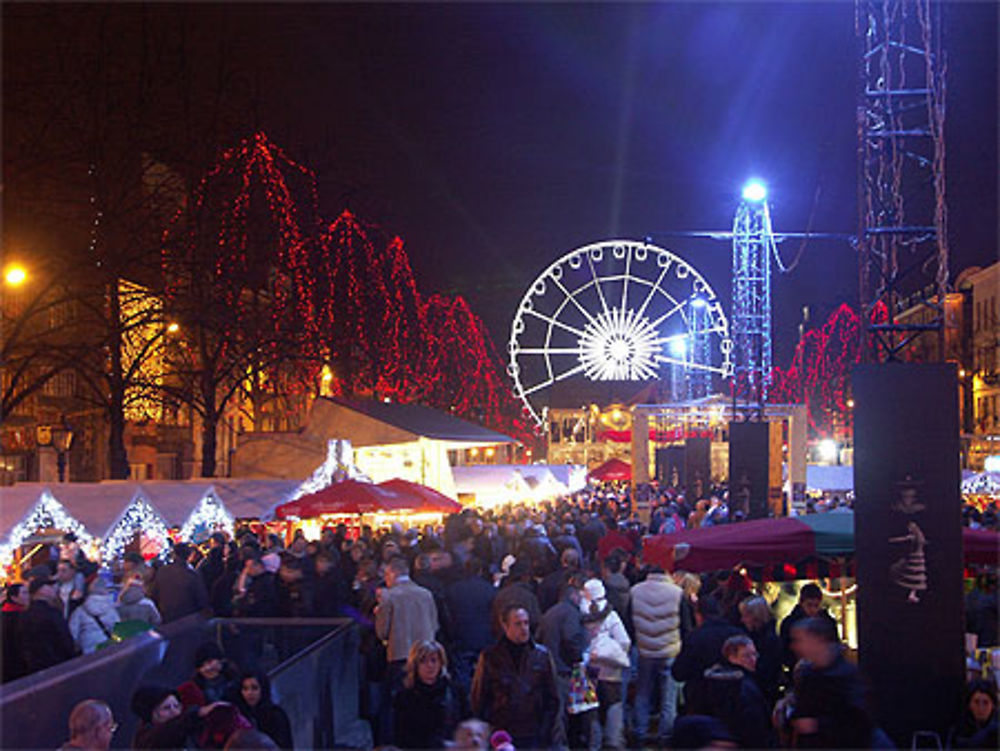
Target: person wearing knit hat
212 681
608 652
163 721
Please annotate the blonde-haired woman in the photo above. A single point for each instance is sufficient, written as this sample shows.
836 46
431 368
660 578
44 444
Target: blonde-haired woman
429 707
691 585
758 619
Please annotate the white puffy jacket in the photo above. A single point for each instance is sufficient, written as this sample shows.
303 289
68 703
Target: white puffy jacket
656 608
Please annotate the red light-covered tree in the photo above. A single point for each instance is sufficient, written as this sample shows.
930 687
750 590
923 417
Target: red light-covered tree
233 258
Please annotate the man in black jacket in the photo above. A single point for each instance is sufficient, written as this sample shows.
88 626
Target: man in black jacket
561 630
177 589
729 693
45 636
514 688
831 699
551 587
810 605
562 633
703 647
469 605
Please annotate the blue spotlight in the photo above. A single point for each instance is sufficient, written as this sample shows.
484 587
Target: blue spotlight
754 191
678 347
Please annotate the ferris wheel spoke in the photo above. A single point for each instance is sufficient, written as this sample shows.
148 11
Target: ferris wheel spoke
652 290
625 278
555 322
667 360
556 379
597 285
572 299
549 351
669 313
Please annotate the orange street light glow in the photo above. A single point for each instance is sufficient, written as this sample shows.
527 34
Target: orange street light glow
15 275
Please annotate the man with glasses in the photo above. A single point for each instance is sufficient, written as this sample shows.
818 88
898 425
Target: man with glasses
91 727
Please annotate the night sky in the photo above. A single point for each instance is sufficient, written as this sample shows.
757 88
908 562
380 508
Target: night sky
495 138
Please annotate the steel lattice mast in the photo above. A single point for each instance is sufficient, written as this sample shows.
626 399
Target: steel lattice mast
753 244
902 234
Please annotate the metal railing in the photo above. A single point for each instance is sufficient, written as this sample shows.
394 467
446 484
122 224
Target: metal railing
313 664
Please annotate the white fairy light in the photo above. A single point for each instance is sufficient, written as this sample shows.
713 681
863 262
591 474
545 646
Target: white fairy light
139 516
209 514
47 513
338 466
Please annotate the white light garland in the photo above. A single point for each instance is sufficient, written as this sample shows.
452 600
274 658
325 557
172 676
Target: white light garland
338 466
46 513
210 514
139 516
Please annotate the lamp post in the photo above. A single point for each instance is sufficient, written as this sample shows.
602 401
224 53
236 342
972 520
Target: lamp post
62 440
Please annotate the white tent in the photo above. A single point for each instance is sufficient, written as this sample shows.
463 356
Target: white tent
984 483
27 508
491 484
253 499
830 478
112 511
542 481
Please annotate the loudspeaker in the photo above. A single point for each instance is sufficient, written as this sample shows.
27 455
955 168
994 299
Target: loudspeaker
697 468
670 466
908 543
748 468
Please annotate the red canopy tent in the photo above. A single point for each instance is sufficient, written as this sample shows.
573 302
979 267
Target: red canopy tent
613 470
347 497
787 540
422 498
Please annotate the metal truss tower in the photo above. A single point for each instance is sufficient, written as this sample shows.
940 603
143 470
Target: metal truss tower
902 233
753 244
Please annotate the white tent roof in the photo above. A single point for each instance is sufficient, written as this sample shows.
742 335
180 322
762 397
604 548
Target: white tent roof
983 483
175 500
572 476
829 478
97 506
253 499
489 478
15 503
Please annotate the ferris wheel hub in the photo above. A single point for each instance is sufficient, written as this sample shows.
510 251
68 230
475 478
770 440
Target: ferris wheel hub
619 346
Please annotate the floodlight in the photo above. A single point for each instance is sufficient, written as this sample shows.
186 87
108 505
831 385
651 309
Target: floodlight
754 191
828 450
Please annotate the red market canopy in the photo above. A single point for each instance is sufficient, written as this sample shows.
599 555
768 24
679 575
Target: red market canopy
613 470
347 497
422 498
775 542
981 546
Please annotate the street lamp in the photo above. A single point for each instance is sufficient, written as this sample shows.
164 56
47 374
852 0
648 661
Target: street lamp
15 275
61 439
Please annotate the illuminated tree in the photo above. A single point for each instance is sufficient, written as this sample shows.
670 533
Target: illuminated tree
233 260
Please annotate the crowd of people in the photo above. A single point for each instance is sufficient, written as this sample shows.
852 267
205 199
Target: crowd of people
517 628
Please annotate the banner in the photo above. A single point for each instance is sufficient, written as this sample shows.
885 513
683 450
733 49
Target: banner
908 536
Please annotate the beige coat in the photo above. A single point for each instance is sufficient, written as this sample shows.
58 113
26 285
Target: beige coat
407 614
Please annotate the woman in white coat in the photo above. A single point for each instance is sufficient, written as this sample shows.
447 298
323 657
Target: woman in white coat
94 620
608 653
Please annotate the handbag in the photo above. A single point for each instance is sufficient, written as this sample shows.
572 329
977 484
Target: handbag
606 650
582 691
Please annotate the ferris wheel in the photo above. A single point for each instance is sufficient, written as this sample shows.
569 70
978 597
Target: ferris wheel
618 310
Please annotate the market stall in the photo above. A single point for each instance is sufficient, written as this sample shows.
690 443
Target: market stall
613 470
491 485
422 498
782 543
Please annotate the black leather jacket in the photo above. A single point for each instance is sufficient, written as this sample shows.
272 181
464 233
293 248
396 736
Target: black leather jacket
521 698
